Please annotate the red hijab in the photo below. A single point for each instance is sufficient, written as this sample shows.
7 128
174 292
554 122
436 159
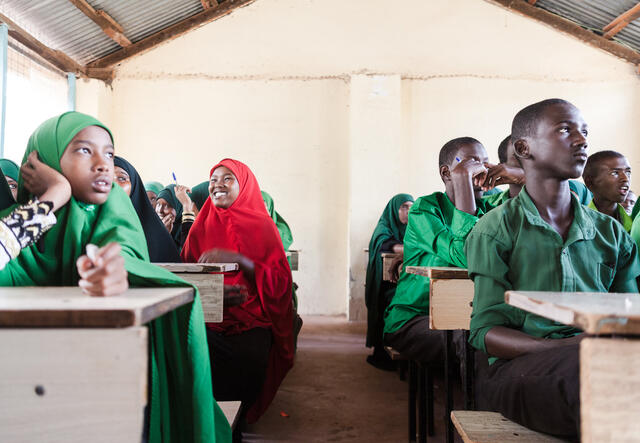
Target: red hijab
247 228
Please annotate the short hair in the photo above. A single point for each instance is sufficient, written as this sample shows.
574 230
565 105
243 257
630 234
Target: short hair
450 149
593 162
503 156
526 120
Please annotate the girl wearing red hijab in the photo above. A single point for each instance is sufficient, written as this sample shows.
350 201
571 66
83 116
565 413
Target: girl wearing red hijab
252 349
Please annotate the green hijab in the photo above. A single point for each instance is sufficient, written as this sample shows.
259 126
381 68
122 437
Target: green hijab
9 168
200 194
154 187
389 226
182 407
281 224
169 194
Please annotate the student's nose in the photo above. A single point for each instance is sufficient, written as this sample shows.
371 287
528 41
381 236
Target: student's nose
580 139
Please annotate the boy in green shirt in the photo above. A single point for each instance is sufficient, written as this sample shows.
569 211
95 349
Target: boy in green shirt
542 240
438 226
607 174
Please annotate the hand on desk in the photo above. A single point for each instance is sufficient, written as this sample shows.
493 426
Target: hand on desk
105 275
225 256
235 295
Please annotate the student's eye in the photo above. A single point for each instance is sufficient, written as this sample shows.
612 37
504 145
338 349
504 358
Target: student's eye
84 150
585 132
564 129
13 186
109 155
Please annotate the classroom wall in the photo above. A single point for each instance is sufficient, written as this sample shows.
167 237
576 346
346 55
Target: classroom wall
338 105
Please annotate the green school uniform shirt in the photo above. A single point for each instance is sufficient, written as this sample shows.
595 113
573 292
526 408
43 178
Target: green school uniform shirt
182 407
581 191
624 218
512 247
435 236
496 199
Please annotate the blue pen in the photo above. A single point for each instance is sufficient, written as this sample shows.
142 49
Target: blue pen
174 177
457 159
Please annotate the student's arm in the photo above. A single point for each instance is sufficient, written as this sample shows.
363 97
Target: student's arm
390 245
247 267
503 174
463 176
189 208
398 248
45 182
628 266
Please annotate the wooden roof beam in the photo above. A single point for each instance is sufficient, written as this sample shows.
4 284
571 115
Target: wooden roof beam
108 25
204 17
206 4
571 28
621 21
56 58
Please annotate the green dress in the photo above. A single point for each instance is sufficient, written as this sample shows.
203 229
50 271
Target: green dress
377 293
182 407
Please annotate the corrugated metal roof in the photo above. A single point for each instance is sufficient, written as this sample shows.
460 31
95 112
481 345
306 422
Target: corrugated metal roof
595 15
61 26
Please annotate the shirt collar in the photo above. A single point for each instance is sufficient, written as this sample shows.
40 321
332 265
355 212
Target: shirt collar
582 227
625 219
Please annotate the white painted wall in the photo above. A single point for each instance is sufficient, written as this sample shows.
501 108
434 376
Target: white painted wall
338 105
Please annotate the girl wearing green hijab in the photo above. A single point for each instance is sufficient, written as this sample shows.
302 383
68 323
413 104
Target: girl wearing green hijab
387 237
153 189
10 171
182 407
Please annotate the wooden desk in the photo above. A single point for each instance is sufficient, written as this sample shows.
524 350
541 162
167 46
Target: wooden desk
609 367
450 296
74 367
388 260
293 256
208 278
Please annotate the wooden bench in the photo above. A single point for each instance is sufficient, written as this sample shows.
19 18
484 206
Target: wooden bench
293 256
492 427
74 367
609 367
208 278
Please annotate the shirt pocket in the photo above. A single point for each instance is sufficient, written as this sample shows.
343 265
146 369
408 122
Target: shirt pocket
605 273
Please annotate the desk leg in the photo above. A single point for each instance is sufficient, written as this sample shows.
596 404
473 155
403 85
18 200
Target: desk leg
449 363
610 390
73 385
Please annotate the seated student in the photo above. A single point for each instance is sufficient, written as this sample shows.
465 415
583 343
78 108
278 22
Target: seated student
26 224
388 236
10 171
438 227
200 194
153 188
81 148
252 349
629 202
287 240
542 240
159 242
177 212
607 174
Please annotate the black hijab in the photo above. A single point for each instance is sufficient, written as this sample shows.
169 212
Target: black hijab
162 249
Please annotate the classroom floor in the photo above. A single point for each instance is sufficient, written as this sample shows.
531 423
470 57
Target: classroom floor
333 395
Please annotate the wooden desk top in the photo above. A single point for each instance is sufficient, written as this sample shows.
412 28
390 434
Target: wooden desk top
439 272
199 268
68 307
594 313
391 254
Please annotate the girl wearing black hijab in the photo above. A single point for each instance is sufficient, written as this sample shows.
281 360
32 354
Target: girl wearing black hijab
162 248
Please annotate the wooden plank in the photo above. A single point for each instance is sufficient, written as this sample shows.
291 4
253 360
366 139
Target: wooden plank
73 385
389 259
439 272
294 259
450 304
57 58
621 21
610 390
211 288
493 427
571 28
199 268
69 307
108 25
206 4
595 313
204 17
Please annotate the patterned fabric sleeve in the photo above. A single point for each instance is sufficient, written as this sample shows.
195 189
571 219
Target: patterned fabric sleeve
23 227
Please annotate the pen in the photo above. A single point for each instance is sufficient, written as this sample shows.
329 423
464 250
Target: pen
174 178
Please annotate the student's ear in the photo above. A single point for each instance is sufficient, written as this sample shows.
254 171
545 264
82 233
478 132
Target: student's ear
445 173
521 149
